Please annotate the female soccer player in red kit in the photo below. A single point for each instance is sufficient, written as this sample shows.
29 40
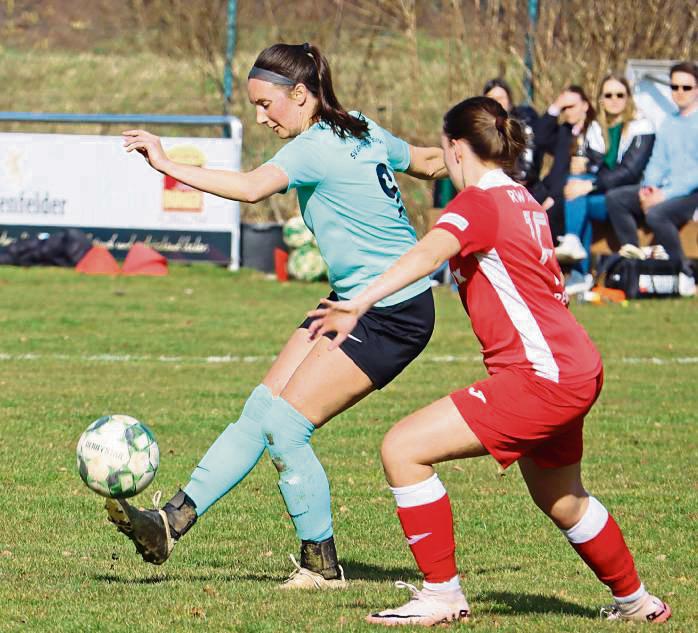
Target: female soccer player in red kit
544 376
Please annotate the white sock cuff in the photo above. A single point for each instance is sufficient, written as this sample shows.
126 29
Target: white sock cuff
449 585
590 524
419 494
632 597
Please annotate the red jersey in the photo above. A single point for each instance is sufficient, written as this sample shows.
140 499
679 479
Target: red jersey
511 284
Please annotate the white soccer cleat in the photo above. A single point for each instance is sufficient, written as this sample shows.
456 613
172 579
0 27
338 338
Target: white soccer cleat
649 609
570 249
687 285
425 608
302 578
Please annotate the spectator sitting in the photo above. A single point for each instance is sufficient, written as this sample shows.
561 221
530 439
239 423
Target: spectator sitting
668 196
624 141
527 167
566 140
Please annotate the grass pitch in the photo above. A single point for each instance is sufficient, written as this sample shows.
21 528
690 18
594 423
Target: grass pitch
182 353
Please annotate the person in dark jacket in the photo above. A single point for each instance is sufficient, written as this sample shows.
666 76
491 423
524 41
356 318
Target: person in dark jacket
621 144
528 164
562 131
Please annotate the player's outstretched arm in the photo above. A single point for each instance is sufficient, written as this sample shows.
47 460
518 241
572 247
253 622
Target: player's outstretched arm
421 260
427 163
251 186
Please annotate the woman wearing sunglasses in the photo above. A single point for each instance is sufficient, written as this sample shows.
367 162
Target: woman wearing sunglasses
623 142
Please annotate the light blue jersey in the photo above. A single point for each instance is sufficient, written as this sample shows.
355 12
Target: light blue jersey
351 202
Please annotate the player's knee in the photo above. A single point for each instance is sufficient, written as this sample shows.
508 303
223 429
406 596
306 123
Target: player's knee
285 428
565 511
395 450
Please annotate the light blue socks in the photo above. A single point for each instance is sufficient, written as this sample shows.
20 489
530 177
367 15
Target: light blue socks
234 453
302 479
268 422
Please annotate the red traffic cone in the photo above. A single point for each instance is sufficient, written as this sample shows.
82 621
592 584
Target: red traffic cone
98 261
143 260
281 264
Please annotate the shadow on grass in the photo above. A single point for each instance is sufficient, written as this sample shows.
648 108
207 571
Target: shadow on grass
507 603
125 580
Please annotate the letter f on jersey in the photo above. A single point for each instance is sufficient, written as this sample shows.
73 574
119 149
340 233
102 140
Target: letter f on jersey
477 394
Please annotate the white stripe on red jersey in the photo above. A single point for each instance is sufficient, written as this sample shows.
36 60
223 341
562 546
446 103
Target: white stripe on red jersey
511 284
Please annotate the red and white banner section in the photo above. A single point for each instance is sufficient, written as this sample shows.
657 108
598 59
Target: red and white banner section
50 182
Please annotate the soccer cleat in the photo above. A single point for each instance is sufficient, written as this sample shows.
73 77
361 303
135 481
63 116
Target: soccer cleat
425 608
570 249
154 532
303 578
649 608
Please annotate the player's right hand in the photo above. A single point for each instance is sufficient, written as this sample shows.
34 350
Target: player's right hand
335 316
148 145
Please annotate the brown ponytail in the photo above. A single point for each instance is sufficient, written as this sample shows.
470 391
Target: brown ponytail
305 64
491 133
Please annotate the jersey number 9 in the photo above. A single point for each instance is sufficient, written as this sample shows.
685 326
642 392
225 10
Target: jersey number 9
389 186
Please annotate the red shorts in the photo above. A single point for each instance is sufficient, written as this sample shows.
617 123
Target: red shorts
515 413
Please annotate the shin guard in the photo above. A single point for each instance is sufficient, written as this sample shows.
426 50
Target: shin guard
599 542
302 480
234 453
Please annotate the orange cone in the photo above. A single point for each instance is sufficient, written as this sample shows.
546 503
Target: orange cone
143 260
98 261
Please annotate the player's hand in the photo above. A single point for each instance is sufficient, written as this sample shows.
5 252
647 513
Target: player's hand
576 187
566 99
650 196
148 145
335 316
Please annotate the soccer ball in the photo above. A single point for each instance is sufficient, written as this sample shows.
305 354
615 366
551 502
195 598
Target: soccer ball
306 263
117 456
296 234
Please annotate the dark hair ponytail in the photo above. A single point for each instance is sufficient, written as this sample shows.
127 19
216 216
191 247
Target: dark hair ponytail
485 125
305 64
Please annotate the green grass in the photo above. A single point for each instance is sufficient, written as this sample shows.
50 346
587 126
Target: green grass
63 568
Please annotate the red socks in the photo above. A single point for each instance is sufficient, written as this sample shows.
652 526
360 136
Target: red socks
428 528
599 541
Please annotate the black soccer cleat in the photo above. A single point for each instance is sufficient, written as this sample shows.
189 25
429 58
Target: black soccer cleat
154 532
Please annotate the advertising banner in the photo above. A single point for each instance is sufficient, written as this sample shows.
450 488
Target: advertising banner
54 181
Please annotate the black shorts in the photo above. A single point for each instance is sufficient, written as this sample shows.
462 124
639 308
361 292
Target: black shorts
387 339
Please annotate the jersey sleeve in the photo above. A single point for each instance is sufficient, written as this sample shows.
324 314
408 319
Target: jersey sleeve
398 151
472 218
302 160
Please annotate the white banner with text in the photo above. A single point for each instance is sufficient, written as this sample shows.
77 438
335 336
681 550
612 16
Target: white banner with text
49 181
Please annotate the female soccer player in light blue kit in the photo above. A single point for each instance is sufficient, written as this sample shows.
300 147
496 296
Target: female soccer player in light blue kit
342 165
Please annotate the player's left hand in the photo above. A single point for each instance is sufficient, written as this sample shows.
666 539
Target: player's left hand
335 316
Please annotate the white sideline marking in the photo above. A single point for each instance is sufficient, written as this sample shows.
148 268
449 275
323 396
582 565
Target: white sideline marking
228 359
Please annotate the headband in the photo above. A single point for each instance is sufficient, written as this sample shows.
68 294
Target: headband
269 75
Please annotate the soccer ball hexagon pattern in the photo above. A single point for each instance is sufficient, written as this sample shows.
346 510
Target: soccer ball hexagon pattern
117 456
306 264
296 234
